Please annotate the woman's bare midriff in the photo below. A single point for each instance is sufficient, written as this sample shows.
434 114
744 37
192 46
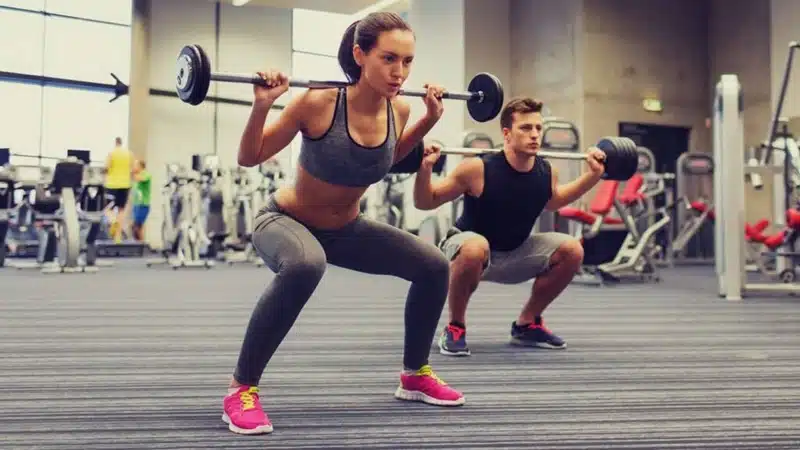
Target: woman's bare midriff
319 204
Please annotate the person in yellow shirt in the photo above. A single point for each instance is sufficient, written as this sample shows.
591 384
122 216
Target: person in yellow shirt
119 165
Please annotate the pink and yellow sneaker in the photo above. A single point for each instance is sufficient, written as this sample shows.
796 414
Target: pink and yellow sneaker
243 413
424 386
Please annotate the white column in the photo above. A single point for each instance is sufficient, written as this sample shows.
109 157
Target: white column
729 186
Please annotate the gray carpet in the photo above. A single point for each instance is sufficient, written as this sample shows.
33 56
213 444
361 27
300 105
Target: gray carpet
134 358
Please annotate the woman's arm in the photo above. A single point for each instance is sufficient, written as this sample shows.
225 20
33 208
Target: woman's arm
260 143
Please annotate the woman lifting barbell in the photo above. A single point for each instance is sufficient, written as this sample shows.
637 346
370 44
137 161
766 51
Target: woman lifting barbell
351 136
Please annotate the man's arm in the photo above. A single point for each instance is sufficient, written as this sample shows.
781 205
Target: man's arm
429 195
567 193
108 163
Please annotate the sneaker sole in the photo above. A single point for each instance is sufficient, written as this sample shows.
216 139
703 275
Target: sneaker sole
263 429
447 352
417 396
515 341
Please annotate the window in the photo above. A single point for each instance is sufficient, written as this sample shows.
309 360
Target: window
33 5
316 67
22 35
103 49
318 32
115 11
79 119
20 117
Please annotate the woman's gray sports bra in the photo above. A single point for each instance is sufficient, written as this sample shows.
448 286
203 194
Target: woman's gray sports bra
337 159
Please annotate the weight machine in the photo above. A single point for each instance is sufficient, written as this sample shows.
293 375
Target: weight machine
637 256
248 197
693 242
7 205
729 189
183 232
92 200
58 220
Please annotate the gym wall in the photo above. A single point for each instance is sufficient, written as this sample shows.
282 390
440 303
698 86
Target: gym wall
739 40
579 58
547 56
487 48
547 59
56 57
635 49
238 40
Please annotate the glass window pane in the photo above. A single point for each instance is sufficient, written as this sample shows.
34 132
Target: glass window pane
103 49
22 36
116 11
316 67
78 119
20 117
318 32
33 5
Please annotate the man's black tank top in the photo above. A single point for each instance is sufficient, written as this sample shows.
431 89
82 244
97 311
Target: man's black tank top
510 203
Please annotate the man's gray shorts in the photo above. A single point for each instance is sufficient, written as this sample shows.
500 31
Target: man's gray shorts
529 260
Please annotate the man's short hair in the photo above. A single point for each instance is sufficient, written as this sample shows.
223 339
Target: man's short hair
523 105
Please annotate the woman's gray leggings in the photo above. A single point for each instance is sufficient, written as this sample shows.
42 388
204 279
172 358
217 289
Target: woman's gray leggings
299 254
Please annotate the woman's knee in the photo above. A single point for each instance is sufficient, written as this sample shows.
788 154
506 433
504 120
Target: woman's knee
431 264
289 249
308 268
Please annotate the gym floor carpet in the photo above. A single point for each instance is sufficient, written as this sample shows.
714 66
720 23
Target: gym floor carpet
136 358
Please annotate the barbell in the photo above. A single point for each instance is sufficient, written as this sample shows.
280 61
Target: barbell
484 94
621 157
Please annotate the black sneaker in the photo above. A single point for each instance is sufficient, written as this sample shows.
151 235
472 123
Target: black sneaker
453 341
535 335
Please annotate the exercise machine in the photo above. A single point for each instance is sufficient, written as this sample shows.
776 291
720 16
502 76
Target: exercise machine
95 194
694 213
589 223
22 230
7 204
729 190
637 256
92 201
183 231
559 135
57 219
248 196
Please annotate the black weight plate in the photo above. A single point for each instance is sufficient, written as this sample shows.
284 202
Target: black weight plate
193 75
619 159
202 77
632 158
625 165
492 103
185 79
607 146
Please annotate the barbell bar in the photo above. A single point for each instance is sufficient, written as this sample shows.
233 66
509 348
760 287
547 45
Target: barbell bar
621 157
461 151
484 94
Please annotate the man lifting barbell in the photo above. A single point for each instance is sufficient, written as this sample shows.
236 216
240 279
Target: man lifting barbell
504 192
351 136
